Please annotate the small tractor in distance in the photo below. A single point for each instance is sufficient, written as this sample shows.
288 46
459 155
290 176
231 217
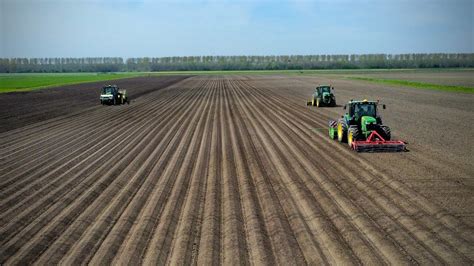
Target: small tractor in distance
323 96
363 130
112 95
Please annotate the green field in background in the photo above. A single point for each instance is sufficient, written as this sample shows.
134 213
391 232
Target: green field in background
34 81
416 84
28 82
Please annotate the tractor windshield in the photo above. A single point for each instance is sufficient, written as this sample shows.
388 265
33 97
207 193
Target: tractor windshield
107 90
365 109
325 89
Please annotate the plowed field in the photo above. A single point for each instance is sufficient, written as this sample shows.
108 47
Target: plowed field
236 170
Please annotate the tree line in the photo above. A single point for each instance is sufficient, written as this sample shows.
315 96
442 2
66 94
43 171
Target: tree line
273 62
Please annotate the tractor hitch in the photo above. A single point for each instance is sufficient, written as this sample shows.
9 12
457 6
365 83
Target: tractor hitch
376 143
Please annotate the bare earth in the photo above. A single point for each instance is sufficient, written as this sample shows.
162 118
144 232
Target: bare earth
237 170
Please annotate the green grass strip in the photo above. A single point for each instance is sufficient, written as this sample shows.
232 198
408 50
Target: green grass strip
29 82
417 85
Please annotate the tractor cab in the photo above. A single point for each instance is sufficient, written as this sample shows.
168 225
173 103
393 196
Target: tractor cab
109 89
323 89
323 96
359 109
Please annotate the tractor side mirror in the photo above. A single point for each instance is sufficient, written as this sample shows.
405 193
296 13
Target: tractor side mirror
384 106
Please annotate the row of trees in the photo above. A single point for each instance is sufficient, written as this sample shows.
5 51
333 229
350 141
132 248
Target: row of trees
282 62
52 65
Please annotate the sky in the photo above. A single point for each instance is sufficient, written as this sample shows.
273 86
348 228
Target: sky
139 28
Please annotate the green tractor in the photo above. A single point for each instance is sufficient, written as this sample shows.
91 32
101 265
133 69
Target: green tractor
363 130
112 95
323 96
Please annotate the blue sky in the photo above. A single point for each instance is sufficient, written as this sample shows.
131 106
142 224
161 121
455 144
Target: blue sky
136 28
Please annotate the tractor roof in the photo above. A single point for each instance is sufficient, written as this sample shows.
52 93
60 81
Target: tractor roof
362 101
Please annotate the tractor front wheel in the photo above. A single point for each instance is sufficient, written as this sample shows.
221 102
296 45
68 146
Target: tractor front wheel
341 131
353 134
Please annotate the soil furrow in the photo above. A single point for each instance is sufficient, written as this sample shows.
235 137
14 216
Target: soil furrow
228 170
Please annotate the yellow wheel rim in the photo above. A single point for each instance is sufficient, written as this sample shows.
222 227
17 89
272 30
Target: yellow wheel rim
317 103
339 131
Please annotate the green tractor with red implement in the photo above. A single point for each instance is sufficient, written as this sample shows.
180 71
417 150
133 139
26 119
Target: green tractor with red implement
362 128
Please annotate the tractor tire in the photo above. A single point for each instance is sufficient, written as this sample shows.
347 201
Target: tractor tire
312 102
332 133
318 103
341 130
115 101
333 103
353 134
386 132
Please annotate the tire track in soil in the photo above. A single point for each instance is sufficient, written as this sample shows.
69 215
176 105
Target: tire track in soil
131 249
395 185
78 190
83 250
331 208
210 170
75 179
100 142
459 244
49 172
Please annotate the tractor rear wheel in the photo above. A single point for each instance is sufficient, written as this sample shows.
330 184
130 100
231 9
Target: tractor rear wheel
318 103
353 134
341 131
386 132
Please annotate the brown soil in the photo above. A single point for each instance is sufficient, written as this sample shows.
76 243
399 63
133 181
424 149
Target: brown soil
23 108
237 170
